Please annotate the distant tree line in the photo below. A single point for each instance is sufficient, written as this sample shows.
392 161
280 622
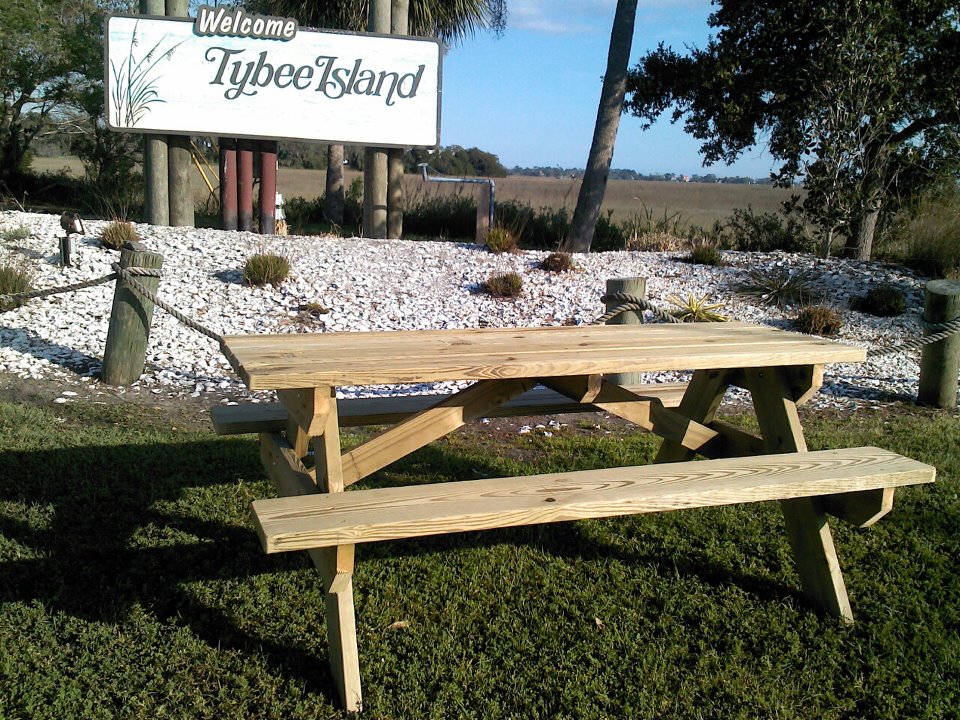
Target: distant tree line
451 160
623 174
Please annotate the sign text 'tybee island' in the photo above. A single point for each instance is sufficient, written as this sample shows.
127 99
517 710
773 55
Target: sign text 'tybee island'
233 74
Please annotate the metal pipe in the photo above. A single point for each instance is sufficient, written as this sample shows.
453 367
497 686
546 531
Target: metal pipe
469 180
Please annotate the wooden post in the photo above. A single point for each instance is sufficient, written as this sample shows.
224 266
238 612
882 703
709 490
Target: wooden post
940 361
179 155
483 213
124 354
633 286
399 25
268 187
228 184
375 159
156 190
245 185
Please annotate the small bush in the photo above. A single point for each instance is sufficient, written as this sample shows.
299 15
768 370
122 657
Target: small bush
766 232
506 285
15 234
541 229
705 254
501 240
557 262
777 287
932 244
884 300
441 216
654 242
266 268
114 235
696 309
818 320
14 279
608 236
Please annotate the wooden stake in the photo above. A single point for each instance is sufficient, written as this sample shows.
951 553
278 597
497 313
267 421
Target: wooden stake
634 286
940 361
130 318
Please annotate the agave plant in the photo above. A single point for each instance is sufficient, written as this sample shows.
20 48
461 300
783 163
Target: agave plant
696 309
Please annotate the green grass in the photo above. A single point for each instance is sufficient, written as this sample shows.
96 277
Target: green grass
134 586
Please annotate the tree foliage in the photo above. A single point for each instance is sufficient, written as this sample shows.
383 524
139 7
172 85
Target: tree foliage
36 70
859 97
455 160
449 20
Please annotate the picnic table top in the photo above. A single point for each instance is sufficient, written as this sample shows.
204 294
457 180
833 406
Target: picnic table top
366 358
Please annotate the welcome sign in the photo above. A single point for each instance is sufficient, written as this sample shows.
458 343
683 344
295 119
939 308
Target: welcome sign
233 74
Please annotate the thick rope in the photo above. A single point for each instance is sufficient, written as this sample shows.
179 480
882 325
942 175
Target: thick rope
627 303
75 286
630 302
945 330
14 297
189 322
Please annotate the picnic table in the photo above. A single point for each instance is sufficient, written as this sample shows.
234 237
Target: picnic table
546 370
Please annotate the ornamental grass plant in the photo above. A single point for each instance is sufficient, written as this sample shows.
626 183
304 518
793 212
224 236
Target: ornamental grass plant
266 269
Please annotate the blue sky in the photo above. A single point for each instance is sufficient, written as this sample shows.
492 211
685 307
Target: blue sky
531 96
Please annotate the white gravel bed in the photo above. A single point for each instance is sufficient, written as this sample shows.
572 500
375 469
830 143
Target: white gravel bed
392 285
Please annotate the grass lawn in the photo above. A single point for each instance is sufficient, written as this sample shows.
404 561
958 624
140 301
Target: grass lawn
132 585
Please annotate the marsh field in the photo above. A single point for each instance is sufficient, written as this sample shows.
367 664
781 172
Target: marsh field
696 203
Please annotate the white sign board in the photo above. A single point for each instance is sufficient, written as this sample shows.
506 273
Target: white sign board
177 76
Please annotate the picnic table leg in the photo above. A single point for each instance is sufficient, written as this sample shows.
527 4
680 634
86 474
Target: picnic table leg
336 568
806 521
699 403
313 420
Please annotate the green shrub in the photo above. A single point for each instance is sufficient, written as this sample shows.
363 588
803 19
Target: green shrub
353 203
15 234
608 236
705 254
884 300
766 232
696 309
818 320
777 287
506 285
542 229
932 244
301 212
14 279
654 242
501 240
557 262
114 235
266 268
442 216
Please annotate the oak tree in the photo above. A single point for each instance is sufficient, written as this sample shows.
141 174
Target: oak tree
859 97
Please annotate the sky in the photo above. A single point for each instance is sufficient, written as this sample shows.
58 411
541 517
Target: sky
531 96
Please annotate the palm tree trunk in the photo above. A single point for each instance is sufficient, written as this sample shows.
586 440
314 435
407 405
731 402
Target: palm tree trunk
333 199
605 131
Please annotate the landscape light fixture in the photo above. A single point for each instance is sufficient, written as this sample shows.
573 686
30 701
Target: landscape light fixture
71 224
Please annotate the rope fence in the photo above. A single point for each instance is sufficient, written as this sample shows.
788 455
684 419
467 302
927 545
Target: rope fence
626 303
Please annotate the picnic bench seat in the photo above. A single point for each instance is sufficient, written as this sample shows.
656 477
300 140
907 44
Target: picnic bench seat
358 412
308 521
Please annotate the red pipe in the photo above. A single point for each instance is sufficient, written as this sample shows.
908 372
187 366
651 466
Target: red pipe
228 183
245 185
268 186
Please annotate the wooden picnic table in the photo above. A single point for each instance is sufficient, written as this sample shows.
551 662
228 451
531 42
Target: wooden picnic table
781 370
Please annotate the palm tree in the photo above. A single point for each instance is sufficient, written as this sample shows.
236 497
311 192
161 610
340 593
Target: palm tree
605 131
449 20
